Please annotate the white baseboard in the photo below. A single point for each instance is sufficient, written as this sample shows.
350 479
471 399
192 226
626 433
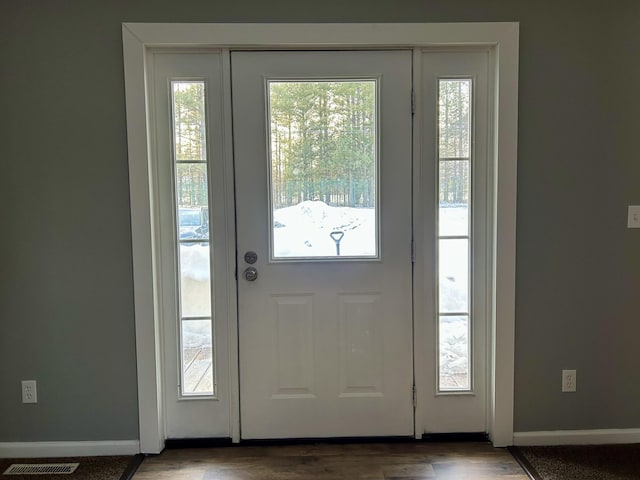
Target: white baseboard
68 449
578 437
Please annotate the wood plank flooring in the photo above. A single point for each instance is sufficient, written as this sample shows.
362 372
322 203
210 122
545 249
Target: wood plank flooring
373 461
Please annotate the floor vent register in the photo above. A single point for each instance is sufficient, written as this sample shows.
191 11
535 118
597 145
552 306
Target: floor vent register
41 469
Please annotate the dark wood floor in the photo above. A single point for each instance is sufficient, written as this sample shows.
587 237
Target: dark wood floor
419 460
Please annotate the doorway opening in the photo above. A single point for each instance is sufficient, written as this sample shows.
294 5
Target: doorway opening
144 44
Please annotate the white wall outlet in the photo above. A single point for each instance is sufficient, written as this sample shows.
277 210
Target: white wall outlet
634 216
568 380
29 391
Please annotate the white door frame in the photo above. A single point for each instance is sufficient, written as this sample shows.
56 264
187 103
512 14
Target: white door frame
138 38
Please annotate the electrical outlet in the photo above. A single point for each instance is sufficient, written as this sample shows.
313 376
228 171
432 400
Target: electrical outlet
29 391
634 216
568 380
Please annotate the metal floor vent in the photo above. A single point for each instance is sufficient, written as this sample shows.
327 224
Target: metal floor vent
41 469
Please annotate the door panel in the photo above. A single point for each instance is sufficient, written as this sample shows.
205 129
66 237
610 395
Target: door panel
189 215
325 339
361 340
452 258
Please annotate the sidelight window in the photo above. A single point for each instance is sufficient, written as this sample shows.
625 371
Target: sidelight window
192 237
454 234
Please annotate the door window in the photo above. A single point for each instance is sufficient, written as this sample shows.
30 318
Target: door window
323 168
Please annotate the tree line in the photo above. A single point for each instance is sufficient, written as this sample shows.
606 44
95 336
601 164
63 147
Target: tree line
323 142
189 139
454 130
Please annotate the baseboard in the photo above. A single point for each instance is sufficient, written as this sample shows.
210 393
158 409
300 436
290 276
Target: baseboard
578 437
68 449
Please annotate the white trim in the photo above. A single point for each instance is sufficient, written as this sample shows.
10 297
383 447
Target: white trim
578 437
230 212
138 37
419 284
502 362
321 35
68 449
150 416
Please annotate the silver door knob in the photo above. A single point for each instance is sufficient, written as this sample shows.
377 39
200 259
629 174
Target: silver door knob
250 274
251 257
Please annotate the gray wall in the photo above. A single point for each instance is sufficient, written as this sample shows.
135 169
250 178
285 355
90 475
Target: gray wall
66 295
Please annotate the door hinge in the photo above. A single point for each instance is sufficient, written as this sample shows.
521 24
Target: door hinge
413 101
414 392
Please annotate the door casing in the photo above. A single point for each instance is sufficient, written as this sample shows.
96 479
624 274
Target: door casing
501 40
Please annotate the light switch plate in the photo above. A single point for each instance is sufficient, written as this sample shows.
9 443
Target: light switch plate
634 216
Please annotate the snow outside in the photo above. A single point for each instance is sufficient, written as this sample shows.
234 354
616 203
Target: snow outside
303 230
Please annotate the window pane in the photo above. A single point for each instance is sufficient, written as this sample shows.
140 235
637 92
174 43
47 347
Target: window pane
195 280
454 276
191 185
323 168
189 132
197 357
454 353
454 118
454 202
454 197
192 230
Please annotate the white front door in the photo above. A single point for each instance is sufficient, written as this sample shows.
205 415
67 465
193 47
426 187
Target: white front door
322 147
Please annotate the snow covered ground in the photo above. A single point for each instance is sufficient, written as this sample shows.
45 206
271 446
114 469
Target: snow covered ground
304 230
454 352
